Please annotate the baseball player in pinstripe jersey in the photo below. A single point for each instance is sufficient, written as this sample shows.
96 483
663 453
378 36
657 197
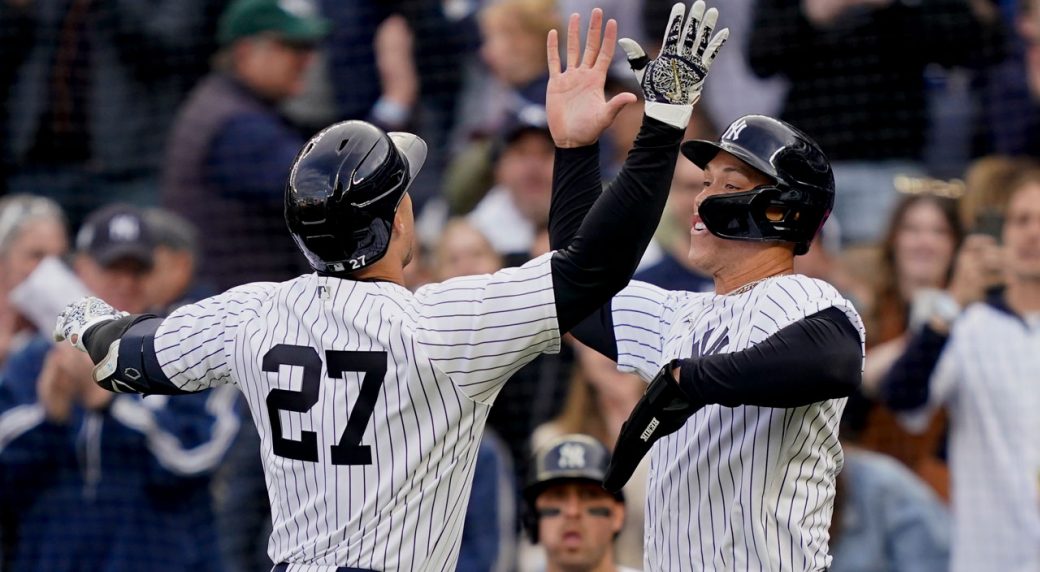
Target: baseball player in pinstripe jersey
370 400
747 384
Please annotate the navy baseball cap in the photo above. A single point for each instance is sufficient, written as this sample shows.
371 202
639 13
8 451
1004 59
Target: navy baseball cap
116 233
573 457
528 119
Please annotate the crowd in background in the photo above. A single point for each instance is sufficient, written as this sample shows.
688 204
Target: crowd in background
145 144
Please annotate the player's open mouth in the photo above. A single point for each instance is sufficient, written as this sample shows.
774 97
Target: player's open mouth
698 227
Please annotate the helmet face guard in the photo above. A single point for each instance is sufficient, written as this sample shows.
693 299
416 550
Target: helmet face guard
767 213
793 207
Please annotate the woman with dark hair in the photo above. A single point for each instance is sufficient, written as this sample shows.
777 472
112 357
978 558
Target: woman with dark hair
917 256
917 253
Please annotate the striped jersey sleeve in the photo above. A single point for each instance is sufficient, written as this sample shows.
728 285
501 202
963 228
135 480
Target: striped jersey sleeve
192 343
643 315
791 298
479 330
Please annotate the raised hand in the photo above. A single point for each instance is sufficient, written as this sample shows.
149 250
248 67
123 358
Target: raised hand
672 83
575 106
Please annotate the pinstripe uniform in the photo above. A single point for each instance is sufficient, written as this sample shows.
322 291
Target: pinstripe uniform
370 401
988 377
742 488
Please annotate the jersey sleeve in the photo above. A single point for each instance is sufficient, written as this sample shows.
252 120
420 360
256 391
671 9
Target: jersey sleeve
479 330
786 300
643 315
192 345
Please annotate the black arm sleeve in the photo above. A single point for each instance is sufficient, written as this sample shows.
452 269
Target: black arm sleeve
817 358
905 386
137 367
598 259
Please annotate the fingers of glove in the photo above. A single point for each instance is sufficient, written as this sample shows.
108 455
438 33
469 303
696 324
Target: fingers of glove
714 47
637 58
670 44
592 38
692 29
707 26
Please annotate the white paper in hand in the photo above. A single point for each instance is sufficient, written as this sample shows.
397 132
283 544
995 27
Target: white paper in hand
46 292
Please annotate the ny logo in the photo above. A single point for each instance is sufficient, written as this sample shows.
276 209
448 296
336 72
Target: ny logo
702 348
733 131
124 227
572 456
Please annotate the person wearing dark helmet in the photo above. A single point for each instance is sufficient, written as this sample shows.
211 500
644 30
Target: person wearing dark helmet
566 509
370 399
747 383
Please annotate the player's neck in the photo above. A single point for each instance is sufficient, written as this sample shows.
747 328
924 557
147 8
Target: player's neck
772 261
1023 296
385 270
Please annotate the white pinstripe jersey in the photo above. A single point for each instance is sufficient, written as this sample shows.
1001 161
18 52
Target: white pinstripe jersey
988 377
744 488
370 401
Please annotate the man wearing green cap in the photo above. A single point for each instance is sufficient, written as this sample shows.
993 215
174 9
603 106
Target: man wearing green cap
230 149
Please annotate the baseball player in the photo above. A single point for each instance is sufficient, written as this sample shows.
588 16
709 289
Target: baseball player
370 400
748 383
566 509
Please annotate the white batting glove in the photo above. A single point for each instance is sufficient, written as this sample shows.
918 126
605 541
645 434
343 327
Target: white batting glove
79 316
672 83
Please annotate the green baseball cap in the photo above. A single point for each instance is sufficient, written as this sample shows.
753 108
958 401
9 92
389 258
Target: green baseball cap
292 20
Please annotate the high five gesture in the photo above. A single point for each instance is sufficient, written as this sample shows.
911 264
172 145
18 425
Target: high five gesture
576 108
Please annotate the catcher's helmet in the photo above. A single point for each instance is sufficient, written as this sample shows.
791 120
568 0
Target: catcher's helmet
572 457
803 186
343 191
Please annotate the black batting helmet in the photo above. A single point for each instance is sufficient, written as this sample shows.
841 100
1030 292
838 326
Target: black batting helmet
799 199
343 191
574 457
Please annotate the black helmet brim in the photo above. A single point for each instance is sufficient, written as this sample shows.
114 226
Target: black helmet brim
701 152
412 148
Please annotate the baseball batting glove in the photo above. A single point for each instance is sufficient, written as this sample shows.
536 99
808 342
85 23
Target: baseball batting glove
79 317
672 83
662 410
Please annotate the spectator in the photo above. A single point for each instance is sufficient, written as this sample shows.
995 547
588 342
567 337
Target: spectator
230 151
986 185
982 365
599 399
31 229
518 205
885 518
171 283
464 251
114 254
566 509
93 90
95 480
856 70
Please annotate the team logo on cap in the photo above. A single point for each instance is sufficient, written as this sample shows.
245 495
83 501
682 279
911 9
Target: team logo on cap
125 228
733 131
572 456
